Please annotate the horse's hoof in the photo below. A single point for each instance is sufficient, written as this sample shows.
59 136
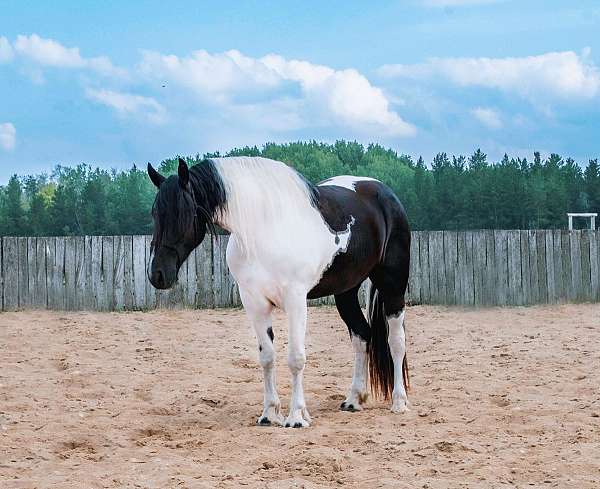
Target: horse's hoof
264 421
400 407
350 407
297 424
300 419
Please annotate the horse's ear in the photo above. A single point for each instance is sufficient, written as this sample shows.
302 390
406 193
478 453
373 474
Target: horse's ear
183 172
156 177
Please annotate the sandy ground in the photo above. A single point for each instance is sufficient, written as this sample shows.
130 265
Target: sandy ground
501 398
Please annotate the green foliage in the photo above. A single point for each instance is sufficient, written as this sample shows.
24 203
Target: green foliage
454 192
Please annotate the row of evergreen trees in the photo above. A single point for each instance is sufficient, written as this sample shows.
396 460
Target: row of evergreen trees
451 193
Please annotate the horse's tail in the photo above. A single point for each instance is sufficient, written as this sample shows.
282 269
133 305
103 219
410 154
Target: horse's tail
381 365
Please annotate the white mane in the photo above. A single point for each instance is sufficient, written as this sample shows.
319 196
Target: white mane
260 193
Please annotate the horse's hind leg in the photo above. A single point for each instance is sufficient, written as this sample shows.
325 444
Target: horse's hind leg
259 311
349 308
397 342
390 279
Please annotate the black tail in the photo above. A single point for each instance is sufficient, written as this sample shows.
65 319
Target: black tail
381 365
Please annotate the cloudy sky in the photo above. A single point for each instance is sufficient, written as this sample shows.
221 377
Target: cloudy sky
114 83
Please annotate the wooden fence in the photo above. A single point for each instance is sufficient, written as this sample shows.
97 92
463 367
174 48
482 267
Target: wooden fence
471 268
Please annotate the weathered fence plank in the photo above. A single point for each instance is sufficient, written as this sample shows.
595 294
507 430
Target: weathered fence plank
128 281
566 264
10 272
576 283
460 280
525 269
108 273
594 268
436 267
415 271
88 295
59 278
561 290
1 275
29 301
534 286
479 265
550 279
51 273
80 284
139 272
586 279
40 299
541 266
450 250
70 274
119 273
23 264
425 269
98 286
515 286
204 273
490 269
447 267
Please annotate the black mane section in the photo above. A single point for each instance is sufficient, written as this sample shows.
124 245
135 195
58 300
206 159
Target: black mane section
312 189
209 190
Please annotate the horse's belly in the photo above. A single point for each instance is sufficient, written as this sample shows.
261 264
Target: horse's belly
346 271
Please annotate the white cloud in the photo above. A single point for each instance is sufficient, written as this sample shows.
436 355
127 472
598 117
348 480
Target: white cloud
48 52
8 136
127 103
343 96
220 75
6 51
488 117
565 74
346 94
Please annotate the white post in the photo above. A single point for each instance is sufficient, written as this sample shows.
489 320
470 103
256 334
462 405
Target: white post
570 223
593 223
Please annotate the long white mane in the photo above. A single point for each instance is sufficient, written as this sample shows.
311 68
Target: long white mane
260 193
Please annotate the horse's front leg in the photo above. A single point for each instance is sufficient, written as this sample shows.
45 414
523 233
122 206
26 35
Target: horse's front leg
259 311
295 308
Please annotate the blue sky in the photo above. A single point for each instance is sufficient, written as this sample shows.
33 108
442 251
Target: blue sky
116 83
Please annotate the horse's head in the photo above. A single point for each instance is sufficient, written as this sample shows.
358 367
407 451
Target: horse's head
179 225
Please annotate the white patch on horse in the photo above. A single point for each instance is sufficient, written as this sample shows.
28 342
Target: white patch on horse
397 342
342 238
346 181
358 394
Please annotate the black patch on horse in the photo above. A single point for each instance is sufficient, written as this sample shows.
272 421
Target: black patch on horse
341 207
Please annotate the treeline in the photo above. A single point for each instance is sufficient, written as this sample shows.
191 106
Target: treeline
452 192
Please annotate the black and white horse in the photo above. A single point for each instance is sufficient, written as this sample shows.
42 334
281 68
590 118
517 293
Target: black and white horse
291 240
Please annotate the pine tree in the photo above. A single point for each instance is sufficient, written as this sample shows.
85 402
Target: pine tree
14 221
592 186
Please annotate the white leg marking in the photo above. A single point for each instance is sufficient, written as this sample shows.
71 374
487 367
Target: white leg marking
397 341
295 308
259 311
358 394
